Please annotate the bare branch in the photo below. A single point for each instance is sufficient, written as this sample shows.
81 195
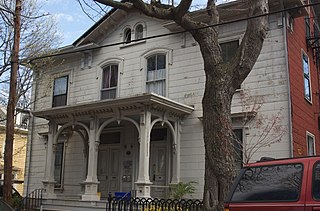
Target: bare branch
119 5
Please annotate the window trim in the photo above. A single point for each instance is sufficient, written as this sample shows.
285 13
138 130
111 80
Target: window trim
144 62
304 76
144 32
110 61
68 75
308 134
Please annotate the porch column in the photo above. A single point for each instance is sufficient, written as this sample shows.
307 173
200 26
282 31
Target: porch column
143 183
176 154
91 183
48 181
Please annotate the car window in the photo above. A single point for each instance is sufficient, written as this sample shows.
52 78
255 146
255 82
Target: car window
269 183
316 181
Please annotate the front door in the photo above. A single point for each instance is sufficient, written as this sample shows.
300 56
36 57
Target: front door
158 169
109 169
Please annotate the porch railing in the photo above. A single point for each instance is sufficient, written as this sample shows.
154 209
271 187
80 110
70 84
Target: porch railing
31 202
149 204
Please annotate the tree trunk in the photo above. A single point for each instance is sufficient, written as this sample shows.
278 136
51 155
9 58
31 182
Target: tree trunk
216 105
11 106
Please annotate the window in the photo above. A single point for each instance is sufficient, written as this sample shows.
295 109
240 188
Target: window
60 89
238 147
306 77
269 183
156 74
310 144
109 82
316 181
139 32
308 29
127 35
58 165
229 49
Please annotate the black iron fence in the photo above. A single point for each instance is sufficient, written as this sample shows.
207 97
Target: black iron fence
148 204
31 202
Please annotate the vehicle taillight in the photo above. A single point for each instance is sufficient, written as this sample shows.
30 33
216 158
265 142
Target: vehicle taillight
226 207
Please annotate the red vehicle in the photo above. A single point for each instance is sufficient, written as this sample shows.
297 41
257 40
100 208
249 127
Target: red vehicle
277 185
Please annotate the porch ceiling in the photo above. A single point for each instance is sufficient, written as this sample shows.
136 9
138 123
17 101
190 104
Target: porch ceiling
116 107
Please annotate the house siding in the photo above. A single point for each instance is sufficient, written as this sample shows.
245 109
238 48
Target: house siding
304 114
185 82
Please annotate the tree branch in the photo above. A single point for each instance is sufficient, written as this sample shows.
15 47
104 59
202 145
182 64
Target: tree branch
252 42
182 9
119 5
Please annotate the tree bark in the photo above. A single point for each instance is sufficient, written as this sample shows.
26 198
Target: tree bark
11 106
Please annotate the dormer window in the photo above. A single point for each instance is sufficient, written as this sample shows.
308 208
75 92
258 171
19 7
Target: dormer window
139 32
127 35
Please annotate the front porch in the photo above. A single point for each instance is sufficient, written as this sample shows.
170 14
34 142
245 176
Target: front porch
129 145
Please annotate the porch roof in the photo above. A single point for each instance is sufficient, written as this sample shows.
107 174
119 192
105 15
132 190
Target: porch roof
133 104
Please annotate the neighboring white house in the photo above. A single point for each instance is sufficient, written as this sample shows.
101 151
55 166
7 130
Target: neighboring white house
128 117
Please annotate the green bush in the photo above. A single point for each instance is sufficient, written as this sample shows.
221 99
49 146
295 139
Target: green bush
178 191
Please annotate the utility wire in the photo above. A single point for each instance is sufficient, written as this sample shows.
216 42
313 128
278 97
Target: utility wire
174 33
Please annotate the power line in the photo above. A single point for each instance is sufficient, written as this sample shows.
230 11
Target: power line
174 33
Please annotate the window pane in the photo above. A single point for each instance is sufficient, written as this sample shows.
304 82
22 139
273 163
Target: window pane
114 76
60 86
310 145
127 35
161 62
229 49
58 163
59 100
269 183
305 65
106 77
139 32
151 63
316 181
307 93
108 94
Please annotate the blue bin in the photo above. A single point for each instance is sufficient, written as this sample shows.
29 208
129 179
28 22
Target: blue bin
122 196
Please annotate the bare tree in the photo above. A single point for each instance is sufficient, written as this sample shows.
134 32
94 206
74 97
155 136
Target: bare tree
23 35
222 79
266 130
38 36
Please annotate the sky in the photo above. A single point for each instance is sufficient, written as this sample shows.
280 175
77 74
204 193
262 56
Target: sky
72 22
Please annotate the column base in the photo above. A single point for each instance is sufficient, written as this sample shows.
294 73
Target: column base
143 189
49 189
90 192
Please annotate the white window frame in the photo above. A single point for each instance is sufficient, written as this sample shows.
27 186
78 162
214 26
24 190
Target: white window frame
304 77
65 74
143 63
144 32
308 134
117 60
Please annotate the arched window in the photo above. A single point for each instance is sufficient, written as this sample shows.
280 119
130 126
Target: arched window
139 32
156 74
109 81
127 35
